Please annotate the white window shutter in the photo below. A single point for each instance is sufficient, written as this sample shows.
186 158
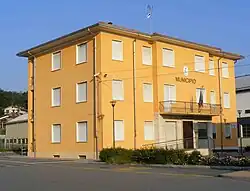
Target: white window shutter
81 92
56 133
117 50
56 61
199 63
226 100
172 93
168 57
148 130
81 53
56 96
82 132
146 55
225 72
212 98
147 92
119 130
211 68
204 93
117 90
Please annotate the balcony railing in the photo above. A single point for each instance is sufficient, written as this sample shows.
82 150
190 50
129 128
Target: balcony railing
190 108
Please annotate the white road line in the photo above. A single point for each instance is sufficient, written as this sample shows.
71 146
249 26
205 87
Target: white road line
16 162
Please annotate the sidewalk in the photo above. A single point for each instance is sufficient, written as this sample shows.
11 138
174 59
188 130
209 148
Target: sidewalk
237 174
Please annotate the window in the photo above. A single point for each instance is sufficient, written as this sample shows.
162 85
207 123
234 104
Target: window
19 141
198 94
148 130
81 92
147 92
146 55
228 131
81 53
211 68
225 72
56 133
117 50
15 141
82 132
168 57
212 98
214 130
199 63
23 141
117 90
169 93
226 100
56 61
246 131
56 97
119 130
247 111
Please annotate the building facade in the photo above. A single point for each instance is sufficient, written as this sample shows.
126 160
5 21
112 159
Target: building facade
165 92
243 107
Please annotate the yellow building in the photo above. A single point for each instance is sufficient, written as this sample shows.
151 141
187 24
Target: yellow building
166 91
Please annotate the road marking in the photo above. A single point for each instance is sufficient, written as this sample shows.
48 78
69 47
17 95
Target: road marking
16 162
187 175
143 172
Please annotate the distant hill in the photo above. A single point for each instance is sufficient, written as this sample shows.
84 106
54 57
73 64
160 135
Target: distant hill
8 98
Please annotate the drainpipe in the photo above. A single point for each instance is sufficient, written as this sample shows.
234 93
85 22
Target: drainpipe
134 90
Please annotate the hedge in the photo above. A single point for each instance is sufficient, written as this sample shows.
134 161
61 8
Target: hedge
166 156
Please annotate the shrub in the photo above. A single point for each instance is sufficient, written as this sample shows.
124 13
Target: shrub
194 158
116 155
247 148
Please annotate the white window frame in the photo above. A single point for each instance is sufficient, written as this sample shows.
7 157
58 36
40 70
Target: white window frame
212 91
77 89
121 96
227 126
52 133
123 136
52 61
52 97
204 67
121 57
77 53
211 69
226 105
149 100
175 93
146 138
149 63
204 95
163 63
224 70
78 140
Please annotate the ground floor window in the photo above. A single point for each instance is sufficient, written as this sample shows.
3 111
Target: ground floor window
246 131
228 131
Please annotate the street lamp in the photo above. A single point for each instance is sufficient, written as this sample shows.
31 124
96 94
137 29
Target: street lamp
113 102
240 132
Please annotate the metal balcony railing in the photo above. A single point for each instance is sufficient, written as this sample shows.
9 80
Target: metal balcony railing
191 108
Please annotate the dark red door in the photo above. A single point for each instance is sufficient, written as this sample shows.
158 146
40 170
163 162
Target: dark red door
188 135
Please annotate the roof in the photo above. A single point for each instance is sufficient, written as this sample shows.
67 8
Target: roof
243 83
109 27
21 118
4 117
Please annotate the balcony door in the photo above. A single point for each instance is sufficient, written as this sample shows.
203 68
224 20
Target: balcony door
169 96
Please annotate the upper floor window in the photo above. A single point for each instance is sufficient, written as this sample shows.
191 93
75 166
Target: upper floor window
169 93
117 50
146 55
81 92
225 72
117 90
201 95
211 68
226 100
147 92
81 53
168 57
212 98
56 61
199 63
247 111
56 97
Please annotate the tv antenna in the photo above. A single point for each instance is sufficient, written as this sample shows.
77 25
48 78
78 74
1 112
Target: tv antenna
149 16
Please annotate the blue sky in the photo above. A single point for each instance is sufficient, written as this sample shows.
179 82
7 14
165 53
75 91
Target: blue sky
221 23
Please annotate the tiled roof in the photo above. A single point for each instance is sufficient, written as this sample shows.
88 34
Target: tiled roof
20 118
243 83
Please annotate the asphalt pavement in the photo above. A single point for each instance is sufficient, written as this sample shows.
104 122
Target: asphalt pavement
44 174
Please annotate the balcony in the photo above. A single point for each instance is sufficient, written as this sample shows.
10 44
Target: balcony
188 108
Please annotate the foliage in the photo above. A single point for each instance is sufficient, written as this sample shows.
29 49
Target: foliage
247 149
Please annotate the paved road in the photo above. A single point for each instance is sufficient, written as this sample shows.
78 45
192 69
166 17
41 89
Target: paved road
27 174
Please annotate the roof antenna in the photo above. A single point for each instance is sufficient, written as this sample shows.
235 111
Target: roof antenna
149 16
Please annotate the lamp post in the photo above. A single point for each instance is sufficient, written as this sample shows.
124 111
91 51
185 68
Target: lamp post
240 132
113 102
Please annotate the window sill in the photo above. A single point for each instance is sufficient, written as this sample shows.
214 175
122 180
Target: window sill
168 66
55 106
117 60
83 62
78 102
202 72
146 64
55 70
81 141
228 138
55 143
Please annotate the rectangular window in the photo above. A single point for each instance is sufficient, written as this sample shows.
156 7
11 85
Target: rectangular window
117 50
81 53
82 131
117 90
211 68
228 131
169 92
198 94
214 130
56 133
119 130
56 97
56 61
199 63
168 57
247 111
212 98
226 100
224 68
146 55
81 92
148 130
246 131
147 92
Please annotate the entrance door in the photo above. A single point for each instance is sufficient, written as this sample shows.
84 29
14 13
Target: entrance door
188 135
